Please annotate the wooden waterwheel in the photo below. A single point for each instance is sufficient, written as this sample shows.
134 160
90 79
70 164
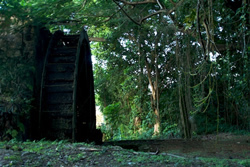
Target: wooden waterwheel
66 102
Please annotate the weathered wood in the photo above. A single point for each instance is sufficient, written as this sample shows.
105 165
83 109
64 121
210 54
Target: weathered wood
83 97
67 104
59 78
66 107
58 88
55 112
64 50
59 98
61 68
82 36
62 59
50 47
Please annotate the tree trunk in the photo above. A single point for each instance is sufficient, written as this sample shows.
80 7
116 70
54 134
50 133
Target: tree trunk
184 113
188 98
155 96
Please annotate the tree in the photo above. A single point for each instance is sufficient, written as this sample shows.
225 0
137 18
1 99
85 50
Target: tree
162 60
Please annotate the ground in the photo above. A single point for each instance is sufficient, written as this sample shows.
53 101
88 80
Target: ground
211 150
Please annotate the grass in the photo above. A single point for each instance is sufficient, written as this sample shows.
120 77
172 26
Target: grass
63 153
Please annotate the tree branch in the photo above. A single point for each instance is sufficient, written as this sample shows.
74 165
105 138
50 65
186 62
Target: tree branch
126 13
83 5
137 3
110 17
159 3
178 4
168 12
96 39
198 27
150 15
172 2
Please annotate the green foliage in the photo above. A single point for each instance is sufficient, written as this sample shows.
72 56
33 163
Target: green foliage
59 153
123 56
170 130
219 89
112 114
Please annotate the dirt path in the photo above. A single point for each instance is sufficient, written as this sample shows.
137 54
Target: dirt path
221 146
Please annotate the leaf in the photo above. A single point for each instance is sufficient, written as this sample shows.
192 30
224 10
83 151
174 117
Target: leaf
13 133
22 3
21 126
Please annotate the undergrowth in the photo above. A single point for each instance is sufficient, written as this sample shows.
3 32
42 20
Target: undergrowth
64 153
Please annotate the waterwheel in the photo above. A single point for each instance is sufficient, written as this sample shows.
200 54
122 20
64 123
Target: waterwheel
66 102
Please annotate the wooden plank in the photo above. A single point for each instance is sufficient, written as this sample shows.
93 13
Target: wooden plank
64 51
59 78
58 98
60 68
64 107
58 114
67 88
62 59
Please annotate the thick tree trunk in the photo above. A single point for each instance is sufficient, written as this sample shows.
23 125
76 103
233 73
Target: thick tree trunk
157 124
155 96
186 127
184 112
188 99
187 79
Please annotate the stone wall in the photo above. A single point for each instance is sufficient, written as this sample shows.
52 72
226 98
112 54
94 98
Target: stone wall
17 70
17 42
